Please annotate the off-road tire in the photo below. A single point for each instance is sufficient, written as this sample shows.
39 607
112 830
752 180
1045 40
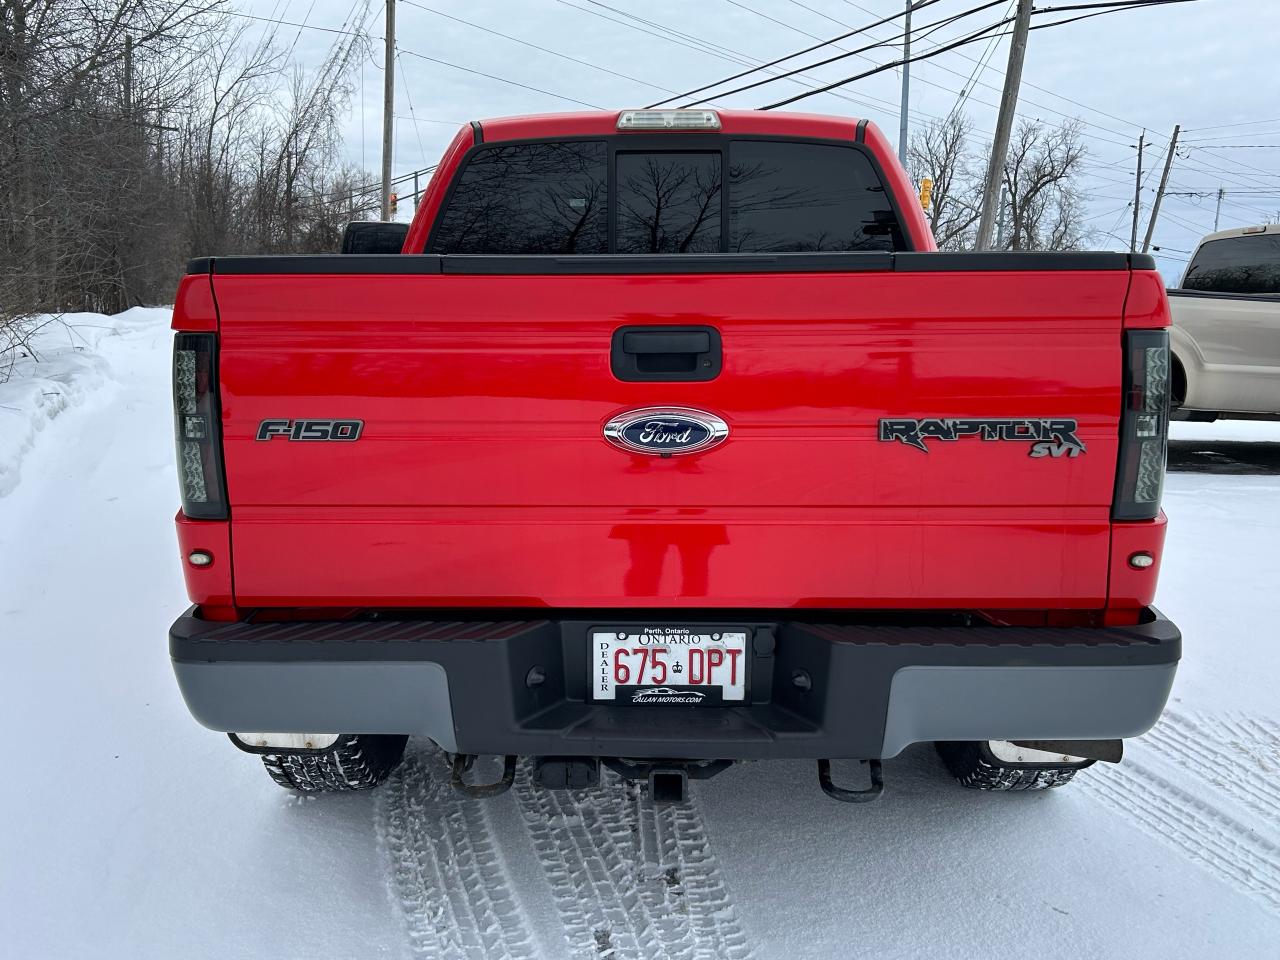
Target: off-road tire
976 767
358 762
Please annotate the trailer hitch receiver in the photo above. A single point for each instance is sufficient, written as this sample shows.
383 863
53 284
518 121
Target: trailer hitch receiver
845 795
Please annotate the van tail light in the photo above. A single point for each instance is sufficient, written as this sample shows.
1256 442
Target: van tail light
1144 426
196 426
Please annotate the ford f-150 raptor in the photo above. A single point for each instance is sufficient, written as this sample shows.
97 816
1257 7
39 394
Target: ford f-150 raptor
667 439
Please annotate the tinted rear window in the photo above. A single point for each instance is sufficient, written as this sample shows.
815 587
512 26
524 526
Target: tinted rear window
788 197
669 202
529 198
1249 264
780 196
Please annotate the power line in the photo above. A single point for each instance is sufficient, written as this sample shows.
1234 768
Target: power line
422 150
951 46
365 189
446 63
1235 136
822 63
970 80
447 123
719 51
534 46
1242 123
980 64
976 35
942 67
1241 163
300 26
492 76
1052 93
789 56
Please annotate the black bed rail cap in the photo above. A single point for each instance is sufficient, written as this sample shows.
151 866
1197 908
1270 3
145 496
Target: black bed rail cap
613 263
1013 260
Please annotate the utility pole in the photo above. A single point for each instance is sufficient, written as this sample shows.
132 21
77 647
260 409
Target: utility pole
1164 182
1137 196
1217 213
1000 218
1004 125
388 102
906 86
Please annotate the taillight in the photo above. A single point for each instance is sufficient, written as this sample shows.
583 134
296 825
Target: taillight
1144 426
196 428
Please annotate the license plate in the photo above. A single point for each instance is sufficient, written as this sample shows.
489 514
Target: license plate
671 665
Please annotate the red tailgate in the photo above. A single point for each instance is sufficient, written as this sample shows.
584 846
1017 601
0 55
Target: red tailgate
482 476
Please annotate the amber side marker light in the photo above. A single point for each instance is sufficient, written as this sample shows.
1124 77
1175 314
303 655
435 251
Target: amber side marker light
200 558
1140 561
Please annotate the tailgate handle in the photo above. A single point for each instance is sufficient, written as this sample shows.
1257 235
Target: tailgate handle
658 341
665 354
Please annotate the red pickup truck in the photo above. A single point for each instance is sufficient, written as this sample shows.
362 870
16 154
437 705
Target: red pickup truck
667 439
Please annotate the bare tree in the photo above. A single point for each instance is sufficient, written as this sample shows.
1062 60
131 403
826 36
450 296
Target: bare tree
137 133
1042 207
77 147
941 152
1039 174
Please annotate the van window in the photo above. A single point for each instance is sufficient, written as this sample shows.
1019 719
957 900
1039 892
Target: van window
788 197
529 198
1248 264
669 202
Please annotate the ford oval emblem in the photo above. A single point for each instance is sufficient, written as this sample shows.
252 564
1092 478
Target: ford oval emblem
666 431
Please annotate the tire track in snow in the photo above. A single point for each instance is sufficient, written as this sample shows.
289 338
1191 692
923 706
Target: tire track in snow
1196 822
446 872
630 879
1239 755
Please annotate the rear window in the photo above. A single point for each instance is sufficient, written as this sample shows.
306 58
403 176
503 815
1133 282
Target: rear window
1249 264
789 197
669 202
777 197
529 198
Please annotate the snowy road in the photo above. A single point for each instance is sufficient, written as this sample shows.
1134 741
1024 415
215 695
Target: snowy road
131 832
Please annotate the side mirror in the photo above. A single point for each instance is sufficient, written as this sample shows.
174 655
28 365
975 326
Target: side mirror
373 236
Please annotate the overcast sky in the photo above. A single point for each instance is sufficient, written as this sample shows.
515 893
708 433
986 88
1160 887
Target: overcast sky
1210 65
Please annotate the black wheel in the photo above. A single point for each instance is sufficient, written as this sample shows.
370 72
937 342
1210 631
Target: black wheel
976 767
358 762
1178 385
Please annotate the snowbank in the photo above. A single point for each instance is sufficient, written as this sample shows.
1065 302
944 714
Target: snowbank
1226 430
62 367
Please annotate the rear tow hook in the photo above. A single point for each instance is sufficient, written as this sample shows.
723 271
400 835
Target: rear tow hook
478 791
845 795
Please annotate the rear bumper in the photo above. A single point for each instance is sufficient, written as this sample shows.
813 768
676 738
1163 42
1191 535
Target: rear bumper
473 686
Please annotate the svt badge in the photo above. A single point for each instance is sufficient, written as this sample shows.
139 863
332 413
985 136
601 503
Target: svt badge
666 431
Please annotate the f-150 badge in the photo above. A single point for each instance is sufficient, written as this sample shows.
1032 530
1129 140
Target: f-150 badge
311 429
1047 438
665 431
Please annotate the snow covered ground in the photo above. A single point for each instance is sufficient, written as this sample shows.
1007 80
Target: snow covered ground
129 831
